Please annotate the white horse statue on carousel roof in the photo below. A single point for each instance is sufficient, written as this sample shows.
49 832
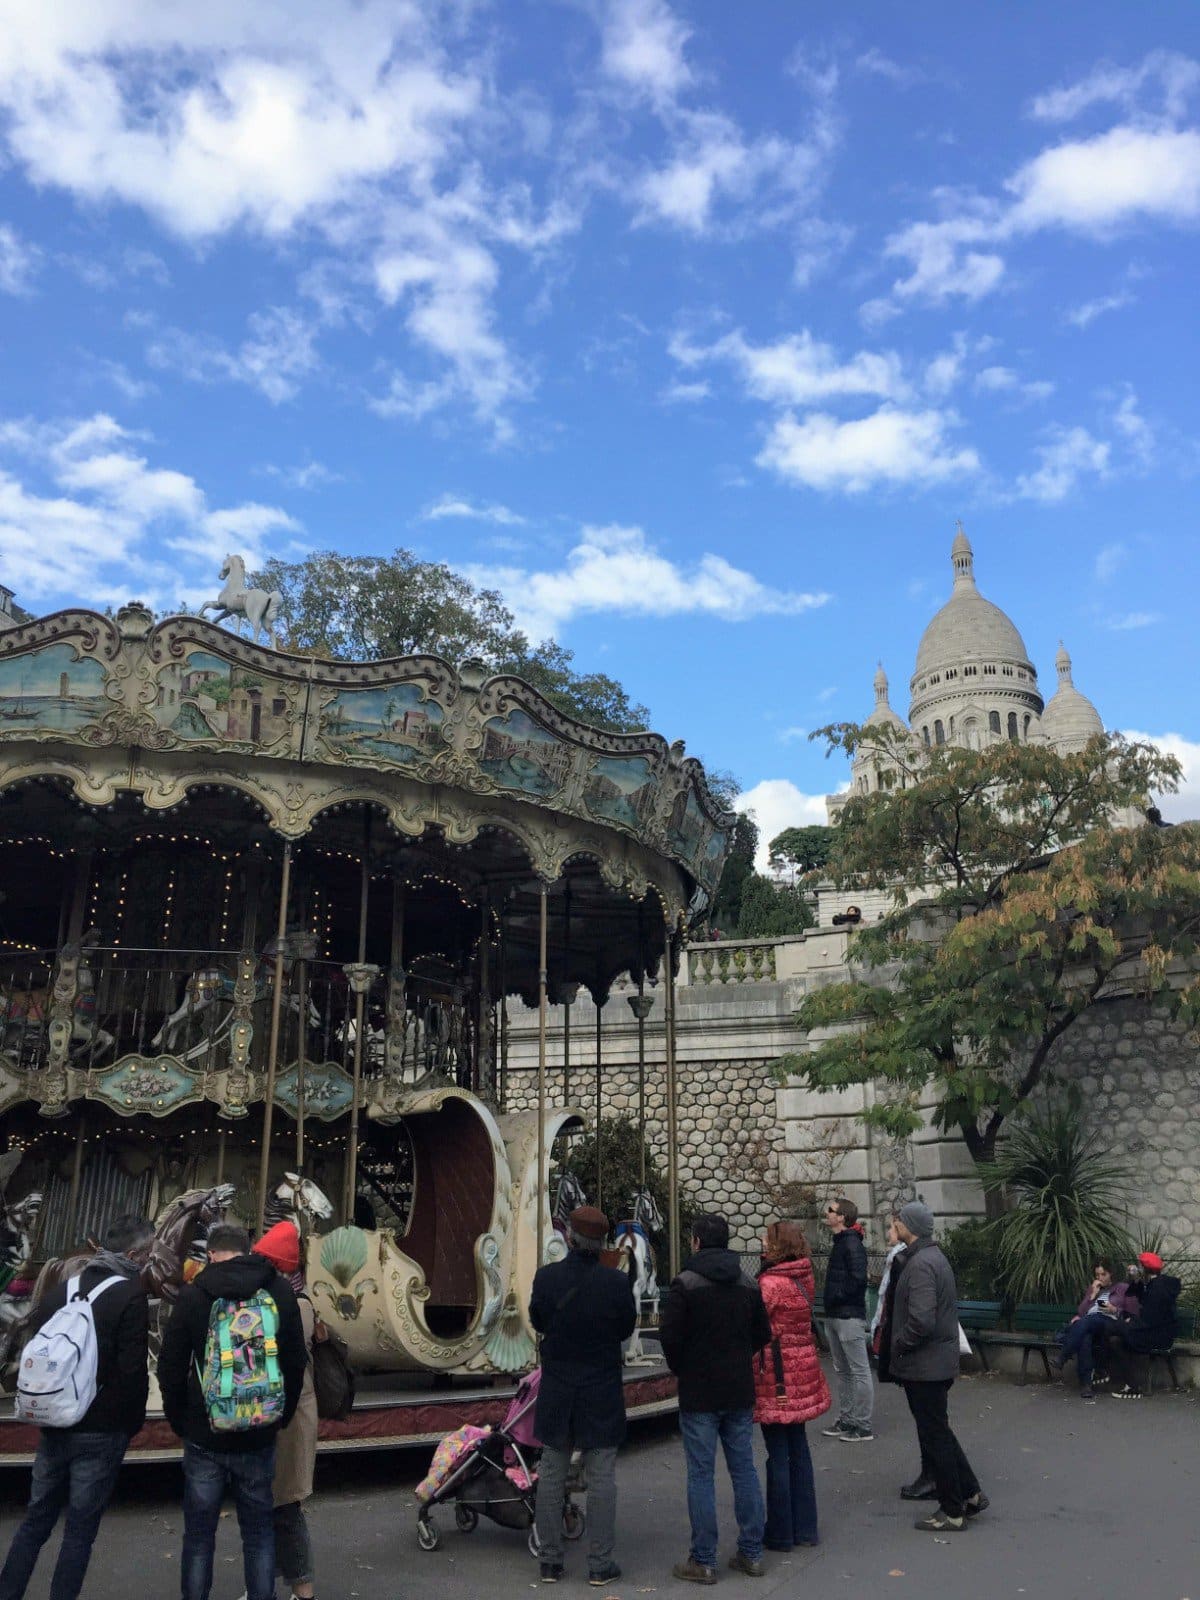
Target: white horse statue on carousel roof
260 607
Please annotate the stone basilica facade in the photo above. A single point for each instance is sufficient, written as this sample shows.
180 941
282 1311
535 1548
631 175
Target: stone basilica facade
973 685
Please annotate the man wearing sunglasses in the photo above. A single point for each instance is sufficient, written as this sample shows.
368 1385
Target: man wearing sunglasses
846 1325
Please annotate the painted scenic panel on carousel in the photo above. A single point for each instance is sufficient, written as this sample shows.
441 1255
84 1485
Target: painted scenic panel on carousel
51 689
622 789
695 838
205 697
519 754
396 723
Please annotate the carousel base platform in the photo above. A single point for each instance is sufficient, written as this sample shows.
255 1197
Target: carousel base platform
391 1412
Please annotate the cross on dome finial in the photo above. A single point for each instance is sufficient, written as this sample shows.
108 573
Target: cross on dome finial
881 686
962 559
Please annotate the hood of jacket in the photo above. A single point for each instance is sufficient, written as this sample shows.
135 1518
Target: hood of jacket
718 1266
235 1279
801 1267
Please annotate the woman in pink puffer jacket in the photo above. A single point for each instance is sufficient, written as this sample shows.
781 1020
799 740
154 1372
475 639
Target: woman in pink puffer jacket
790 1388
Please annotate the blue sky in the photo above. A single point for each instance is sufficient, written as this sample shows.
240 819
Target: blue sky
691 327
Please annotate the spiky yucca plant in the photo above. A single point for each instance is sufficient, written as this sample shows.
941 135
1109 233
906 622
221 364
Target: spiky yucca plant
1069 1200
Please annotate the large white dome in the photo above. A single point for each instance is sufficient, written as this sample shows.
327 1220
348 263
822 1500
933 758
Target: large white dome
968 627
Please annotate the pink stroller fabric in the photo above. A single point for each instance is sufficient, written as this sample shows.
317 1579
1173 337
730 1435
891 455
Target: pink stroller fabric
518 1419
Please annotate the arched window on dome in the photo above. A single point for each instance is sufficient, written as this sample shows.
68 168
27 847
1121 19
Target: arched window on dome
994 721
925 736
1028 720
952 727
939 733
1012 727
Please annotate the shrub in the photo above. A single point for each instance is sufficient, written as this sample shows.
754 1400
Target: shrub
971 1250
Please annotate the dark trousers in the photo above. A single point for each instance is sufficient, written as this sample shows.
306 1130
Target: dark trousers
1080 1340
75 1471
206 1476
1129 1357
951 1471
791 1491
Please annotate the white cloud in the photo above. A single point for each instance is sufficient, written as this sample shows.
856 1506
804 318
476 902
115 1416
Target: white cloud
18 262
642 43
685 393
1185 805
308 475
799 369
791 735
776 804
617 570
1082 316
944 264
1133 428
1109 561
1175 77
880 66
890 447
1003 380
103 523
1134 619
278 352
454 506
1068 455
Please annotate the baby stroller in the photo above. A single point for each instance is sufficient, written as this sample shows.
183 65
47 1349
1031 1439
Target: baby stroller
492 1472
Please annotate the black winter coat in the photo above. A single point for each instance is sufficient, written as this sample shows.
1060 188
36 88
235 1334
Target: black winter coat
924 1326
186 1334
583 1312
1154 1326
121 1316
713 1322
846 1276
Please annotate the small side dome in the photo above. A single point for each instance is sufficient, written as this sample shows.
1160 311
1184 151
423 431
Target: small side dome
883 712
1070 719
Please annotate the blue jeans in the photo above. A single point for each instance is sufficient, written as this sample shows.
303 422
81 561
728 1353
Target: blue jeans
791 1490
249 1473
75 1470
735 1430
1078 1339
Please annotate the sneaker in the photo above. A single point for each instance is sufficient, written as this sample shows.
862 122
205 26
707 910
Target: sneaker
742 1563
692 1572
851 1435
1126 1393
919 1489
1101 1380
1087 1392
551 1572
977 1503
835 1430
608 1573
939 1522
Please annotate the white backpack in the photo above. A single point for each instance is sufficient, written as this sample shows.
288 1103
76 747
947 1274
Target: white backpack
57 1380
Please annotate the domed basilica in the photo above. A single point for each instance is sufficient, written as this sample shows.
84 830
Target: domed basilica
973 685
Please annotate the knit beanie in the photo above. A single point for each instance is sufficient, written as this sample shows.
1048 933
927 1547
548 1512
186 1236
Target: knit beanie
281 1246
917 1218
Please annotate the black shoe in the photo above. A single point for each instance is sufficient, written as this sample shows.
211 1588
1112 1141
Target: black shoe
939 1522
852 1435
977 1503
1087 1392
919 1489
608 1573
551 1572
835 1430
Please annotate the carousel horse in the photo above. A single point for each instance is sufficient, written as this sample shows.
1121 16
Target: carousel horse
299 1201
569 1195
212 986
637 1258
25 1009
259 607
16 1247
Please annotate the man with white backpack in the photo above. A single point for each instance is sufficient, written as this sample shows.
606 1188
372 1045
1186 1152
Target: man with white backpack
83 1379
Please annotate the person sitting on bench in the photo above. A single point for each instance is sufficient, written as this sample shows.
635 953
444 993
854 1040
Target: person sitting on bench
1152 1294
1098 1312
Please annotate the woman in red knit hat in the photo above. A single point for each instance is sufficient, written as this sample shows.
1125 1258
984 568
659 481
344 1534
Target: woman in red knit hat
296 1447
789 1387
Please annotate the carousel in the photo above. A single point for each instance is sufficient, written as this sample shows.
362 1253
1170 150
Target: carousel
262 919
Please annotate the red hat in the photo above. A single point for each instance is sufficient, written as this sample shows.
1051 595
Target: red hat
281 1246
1151 1262
588 1222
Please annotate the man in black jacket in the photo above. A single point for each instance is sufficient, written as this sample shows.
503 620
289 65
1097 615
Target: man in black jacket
242 1460
713 1322
583 1311
1153 1328
846 1325
77 1467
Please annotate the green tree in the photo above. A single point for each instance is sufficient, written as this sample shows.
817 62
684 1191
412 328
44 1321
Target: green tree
801 849
769 908
369 608
1016 902
726 911
620 1165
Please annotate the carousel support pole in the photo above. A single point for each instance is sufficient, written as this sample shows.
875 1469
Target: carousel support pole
301 1057
396 1023
503 1021
599 1104
220 1178
569 992
360 981
672 1120
264 1165
641 1004
76 1183
541 1111
485 1054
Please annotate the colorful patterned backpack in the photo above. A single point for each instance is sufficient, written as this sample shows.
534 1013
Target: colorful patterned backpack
241 1384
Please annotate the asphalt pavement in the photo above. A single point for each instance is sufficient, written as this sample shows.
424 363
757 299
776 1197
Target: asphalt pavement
1088 1500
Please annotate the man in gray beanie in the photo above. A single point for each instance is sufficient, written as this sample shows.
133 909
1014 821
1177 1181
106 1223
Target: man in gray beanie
922 1356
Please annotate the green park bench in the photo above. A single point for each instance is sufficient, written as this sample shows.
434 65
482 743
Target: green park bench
1032 1331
